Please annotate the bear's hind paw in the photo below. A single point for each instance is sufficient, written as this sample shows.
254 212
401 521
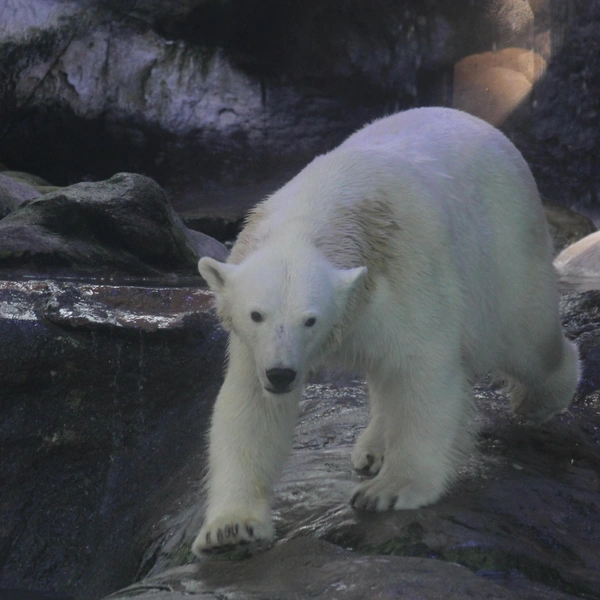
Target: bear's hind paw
229 531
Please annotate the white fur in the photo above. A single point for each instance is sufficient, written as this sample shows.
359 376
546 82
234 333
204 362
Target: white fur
420 249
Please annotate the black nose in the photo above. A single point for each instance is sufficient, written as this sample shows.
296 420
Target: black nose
280 379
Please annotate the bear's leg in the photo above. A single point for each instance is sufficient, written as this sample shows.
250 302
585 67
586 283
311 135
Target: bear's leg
250 437
543 379
367 454
427 413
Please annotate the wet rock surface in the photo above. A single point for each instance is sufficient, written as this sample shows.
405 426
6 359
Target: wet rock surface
309 568
105 395
122 226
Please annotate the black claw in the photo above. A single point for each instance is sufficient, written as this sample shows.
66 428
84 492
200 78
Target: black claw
370 460
236 529
372 505
354 499
219 536
250 530
208 538
393 503
227 531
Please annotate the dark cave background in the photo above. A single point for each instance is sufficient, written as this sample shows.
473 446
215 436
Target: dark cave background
220 101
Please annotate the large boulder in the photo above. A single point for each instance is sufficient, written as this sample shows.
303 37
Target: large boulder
123 226
105 395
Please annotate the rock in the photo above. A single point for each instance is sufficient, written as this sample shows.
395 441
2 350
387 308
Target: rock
581 315
557 148
221 102
539 7
581 259
566 226
506 23
308 568
205 245
123 226
212 97
40 184
106 394
13 193
33 180
493 85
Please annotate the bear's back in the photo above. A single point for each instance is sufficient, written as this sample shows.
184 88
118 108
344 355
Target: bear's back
415 171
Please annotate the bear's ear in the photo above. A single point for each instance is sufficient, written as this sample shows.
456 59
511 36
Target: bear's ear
348 279
215 273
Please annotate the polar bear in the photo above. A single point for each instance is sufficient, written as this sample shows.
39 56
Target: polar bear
417 253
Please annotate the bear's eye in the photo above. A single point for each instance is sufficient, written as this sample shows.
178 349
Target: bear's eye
310 322
256 316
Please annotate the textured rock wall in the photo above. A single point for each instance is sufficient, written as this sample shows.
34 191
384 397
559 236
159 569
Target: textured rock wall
221 101
561 138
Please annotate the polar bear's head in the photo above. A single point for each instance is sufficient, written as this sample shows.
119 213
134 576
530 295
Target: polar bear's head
283 306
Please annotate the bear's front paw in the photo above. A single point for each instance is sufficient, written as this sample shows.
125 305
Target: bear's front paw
367 455
230 530
367 460
382 494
